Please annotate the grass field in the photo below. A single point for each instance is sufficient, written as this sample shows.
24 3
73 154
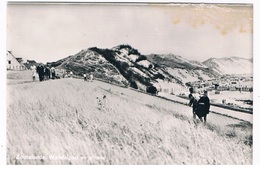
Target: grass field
63 122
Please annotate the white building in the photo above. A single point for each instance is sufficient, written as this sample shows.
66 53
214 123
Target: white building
12 63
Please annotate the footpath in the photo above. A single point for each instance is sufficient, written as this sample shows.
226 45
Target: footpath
214 109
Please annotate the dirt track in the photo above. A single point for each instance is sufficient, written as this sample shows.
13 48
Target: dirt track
217 110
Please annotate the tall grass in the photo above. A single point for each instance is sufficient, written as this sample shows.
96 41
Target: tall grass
64 118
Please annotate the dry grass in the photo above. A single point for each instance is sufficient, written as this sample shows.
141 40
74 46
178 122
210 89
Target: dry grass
19 77
63 118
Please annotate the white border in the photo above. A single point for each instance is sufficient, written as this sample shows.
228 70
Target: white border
256 93
256 47
3 83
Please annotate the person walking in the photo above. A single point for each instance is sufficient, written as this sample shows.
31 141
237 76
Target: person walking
203 106
47 73
193 102
85 76
71 74
91 77
53 73
33 68
40 71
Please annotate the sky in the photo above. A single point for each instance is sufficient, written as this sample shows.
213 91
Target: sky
49 32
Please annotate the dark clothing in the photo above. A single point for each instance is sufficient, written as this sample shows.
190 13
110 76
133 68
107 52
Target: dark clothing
40 71
151 90
53 75
193 102
47 73
203 106
191 90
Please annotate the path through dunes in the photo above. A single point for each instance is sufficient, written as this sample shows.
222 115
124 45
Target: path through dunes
62 122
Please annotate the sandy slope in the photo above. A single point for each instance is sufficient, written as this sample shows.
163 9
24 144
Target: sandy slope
62 122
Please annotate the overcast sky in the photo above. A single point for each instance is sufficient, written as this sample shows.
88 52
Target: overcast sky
196 32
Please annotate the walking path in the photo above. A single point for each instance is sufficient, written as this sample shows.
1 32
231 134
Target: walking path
227 112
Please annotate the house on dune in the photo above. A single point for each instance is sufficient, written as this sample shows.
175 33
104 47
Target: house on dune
13 63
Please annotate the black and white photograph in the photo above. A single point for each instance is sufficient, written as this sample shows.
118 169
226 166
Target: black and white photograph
129 83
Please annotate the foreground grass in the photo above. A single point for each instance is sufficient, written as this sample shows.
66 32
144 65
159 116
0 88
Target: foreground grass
63 118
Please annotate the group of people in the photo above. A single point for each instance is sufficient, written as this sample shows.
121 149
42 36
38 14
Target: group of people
90 77
43 71
201 106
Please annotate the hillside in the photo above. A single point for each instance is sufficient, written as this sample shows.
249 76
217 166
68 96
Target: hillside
173 61
230 65
67 124
126 66
122 65
183 69
88 61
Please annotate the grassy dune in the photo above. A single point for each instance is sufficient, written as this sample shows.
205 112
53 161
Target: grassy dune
63 122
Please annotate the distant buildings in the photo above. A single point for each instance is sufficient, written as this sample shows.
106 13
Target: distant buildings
228 83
